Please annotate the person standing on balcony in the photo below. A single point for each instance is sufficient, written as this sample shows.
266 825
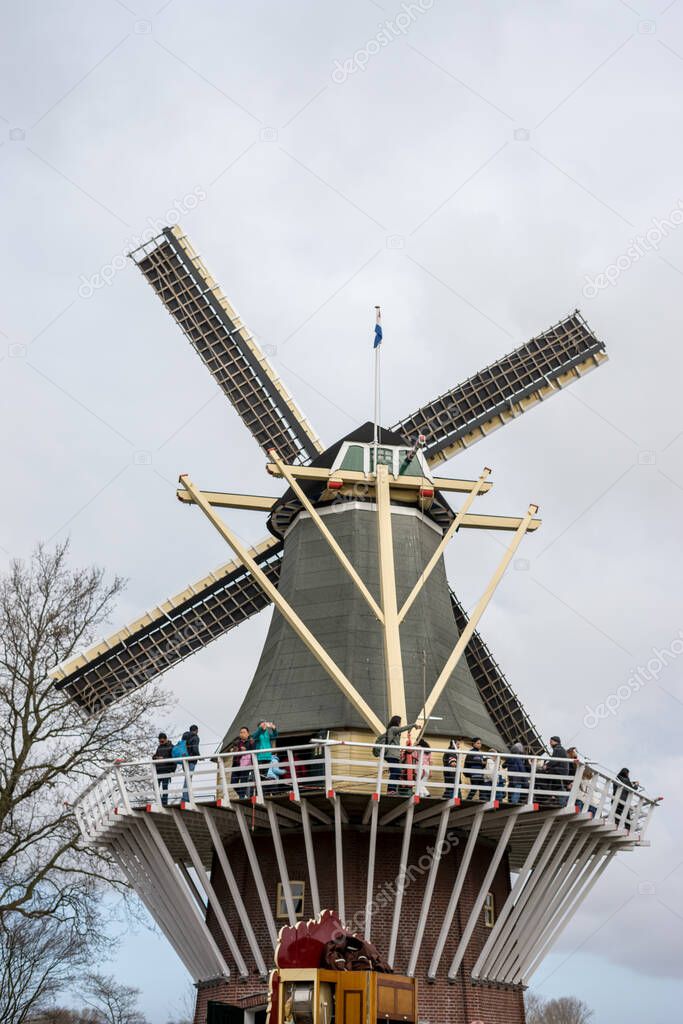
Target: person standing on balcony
475 763
241 775
164 771
265 738
392 755
621 789
493 775
517 771
191 739
558 765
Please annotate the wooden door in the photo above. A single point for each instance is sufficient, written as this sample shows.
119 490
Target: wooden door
353 1008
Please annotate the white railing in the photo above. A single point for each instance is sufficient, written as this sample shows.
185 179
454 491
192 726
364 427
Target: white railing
329 767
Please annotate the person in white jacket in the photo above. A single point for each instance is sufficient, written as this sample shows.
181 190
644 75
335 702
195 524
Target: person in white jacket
493 776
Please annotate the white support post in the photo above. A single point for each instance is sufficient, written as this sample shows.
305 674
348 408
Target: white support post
122 790
541 894
211 896
225 787
481 897
455 894
572 879
429 891
292 774
339 859
192 886
256 772
228 874
500 934
372 852
281 862
168 860
571 910
400 889
258 877
310 858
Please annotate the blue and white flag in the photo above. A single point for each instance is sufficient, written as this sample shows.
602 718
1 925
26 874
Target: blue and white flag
378 329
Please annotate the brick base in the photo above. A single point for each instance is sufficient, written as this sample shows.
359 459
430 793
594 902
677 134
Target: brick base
441 1001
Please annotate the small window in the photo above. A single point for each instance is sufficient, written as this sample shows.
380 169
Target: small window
408 466
354 458
490 910
298 889
385 456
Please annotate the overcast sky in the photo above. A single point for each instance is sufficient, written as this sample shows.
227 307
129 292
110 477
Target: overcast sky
481 174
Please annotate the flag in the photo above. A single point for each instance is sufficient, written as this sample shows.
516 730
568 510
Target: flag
378 329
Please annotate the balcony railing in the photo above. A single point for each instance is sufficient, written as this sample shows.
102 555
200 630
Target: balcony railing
330 767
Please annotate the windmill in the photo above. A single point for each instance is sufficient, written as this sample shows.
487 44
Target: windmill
365 627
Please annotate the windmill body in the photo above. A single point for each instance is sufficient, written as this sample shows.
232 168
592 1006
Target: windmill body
462 876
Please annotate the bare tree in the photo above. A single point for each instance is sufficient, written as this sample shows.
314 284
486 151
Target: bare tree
48 750
112 1002
37 959
51 881
566 1010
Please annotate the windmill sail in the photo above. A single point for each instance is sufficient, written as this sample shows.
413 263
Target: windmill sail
505 389
168 634
216 332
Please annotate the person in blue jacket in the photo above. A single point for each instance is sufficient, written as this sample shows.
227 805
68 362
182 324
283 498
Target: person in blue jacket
265 739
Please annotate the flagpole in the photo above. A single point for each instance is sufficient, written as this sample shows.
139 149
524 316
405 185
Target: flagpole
378 345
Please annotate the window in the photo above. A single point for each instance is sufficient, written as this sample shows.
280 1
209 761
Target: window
408 466
385 456
298 889
354 458
490 910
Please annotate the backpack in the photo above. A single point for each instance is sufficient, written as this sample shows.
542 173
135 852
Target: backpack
179 749
379 742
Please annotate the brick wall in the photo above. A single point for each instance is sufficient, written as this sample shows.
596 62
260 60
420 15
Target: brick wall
439 1002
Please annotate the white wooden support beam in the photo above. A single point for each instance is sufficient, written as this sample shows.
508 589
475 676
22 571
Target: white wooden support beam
538 896
211 896
349 476
443 544
130 845
156 912
570 912
500 933
339 859
481 896
191 906
463 868
567 881
258 877
250 502
429 892
401 886
281 863
393 658
337 551
473 622
228 874
293 775
192 886
286 610
310 858
372 853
